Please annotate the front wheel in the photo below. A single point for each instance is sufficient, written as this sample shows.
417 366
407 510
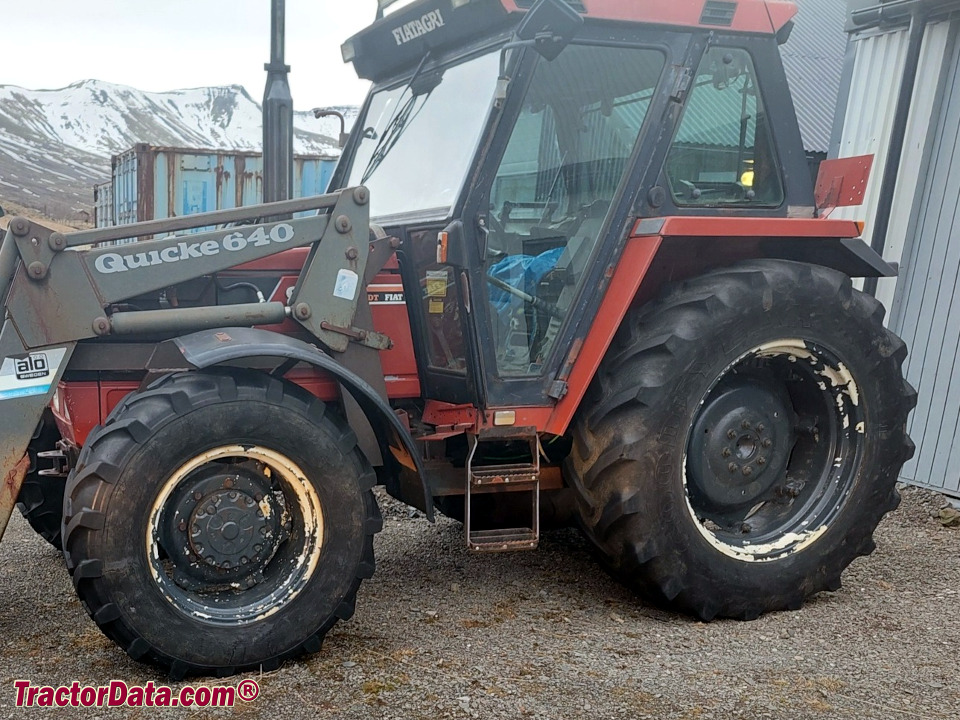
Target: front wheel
743 438
220 522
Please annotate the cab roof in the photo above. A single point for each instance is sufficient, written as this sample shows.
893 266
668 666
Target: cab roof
402 38
754 16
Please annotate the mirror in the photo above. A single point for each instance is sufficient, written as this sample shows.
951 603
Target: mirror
550 25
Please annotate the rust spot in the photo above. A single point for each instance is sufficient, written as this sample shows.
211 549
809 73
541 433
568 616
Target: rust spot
15 476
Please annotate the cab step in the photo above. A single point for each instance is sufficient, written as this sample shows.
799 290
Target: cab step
514 477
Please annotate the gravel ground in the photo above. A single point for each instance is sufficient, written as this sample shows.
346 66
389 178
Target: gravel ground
440 634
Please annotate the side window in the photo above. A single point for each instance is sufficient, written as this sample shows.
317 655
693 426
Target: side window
722 153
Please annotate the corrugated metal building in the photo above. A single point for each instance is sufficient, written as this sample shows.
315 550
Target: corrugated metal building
900 100
150 182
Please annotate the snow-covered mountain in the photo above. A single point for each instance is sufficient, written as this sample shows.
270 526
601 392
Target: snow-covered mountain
55 144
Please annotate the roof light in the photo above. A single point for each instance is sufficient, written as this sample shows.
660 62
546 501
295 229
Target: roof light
459 3
348 51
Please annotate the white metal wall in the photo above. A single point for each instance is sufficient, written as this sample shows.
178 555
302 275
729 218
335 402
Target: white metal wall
924 232
927 308
870 109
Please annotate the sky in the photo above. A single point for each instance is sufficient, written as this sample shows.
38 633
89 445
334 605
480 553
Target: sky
159 45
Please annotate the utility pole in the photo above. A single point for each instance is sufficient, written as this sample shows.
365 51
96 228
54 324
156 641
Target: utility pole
277 115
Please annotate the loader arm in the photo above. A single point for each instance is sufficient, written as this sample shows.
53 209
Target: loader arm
57 288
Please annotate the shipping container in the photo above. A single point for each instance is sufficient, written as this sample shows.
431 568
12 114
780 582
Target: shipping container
150 182
103 204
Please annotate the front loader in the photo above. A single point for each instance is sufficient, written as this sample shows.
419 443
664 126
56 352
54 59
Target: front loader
571 271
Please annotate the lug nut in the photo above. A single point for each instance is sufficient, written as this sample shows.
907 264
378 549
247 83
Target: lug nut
745 424
760 427
726 452
228 483
745 528
731 434
182 527
748 471
767 443
733 467
761 460
197 495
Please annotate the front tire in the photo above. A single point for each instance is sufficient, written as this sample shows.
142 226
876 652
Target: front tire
742 439
220 522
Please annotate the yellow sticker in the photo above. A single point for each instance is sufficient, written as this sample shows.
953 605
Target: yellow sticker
437 283
436 307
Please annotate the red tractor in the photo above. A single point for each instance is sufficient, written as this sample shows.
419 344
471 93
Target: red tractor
571 271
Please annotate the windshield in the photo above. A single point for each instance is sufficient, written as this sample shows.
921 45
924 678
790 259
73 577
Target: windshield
416 144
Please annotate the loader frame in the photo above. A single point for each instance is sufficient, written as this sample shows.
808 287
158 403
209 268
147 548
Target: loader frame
58 290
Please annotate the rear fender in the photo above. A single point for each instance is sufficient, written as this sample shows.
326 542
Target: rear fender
215 347
669 250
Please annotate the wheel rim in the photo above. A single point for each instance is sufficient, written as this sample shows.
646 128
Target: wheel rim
234 534
773 450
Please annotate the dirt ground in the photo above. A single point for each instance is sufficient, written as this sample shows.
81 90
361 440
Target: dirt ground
440 634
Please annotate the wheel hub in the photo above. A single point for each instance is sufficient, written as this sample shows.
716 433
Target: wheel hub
741 443
227 529
225 526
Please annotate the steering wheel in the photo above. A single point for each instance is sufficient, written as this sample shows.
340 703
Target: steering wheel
548 307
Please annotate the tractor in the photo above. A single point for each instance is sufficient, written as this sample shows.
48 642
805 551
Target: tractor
571 270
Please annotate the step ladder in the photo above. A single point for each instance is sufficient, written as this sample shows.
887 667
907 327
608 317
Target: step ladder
489 479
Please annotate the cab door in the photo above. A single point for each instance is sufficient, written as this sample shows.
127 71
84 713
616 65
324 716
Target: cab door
560 182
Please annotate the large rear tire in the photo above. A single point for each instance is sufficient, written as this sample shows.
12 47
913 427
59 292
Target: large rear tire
40 500
220 522
742 439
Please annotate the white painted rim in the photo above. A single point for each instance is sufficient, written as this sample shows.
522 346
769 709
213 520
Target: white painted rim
298 485
795 350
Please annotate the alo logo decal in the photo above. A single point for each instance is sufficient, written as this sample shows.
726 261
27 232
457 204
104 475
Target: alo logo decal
31 367
412 30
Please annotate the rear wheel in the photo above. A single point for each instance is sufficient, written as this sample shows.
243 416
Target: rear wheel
40 500
220 522
743 438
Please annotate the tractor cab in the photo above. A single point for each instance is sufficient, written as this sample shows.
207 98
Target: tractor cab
512 152
626 310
